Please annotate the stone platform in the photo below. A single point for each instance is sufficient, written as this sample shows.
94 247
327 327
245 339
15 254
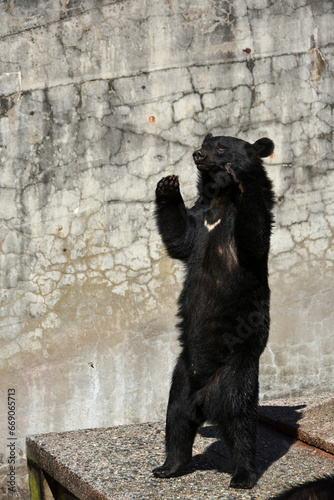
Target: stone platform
295 444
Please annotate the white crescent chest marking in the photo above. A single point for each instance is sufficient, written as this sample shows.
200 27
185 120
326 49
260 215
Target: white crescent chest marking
211 226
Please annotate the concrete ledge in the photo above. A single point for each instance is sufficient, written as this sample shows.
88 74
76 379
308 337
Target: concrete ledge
309 419
104 464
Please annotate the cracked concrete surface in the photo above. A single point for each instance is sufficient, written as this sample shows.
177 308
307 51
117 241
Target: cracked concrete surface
88 296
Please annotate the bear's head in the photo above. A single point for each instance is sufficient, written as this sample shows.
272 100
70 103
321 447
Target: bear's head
217 152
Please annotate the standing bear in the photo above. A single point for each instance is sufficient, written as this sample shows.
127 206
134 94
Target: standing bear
224 305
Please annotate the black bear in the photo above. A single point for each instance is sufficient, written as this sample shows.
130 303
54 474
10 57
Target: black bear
224 305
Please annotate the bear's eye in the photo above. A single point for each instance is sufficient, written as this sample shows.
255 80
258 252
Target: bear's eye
221 148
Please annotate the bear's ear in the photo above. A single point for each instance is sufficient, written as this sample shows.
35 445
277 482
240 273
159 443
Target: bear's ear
207 137
264 147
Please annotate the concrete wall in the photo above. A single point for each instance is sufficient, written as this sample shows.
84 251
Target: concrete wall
88 295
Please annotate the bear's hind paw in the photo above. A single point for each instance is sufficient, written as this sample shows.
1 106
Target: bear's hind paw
243 479
164 471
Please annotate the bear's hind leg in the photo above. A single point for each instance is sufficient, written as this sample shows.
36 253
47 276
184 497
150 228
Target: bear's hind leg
244 453
183 420
240 432
180 435
234 407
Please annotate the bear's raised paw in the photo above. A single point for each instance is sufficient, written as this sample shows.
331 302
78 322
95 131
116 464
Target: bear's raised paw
168 187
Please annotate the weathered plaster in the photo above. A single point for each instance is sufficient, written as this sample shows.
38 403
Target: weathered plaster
88 295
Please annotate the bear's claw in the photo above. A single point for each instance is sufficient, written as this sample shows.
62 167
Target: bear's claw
168 186
229 170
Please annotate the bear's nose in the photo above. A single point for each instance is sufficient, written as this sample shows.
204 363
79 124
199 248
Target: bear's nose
199 155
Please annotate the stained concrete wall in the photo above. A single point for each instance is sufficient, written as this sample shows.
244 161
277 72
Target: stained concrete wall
88 294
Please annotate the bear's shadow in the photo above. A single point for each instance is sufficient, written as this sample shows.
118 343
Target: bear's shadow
271 443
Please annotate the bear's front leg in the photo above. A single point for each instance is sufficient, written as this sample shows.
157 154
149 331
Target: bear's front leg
172 218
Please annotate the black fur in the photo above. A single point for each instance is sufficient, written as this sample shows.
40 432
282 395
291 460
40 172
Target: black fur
224 306
319 489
